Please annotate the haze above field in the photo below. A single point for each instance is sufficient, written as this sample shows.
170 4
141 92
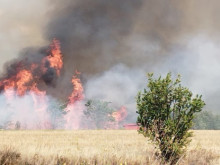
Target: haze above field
114 43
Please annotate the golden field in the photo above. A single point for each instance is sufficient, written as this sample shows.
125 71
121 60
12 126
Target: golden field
98 147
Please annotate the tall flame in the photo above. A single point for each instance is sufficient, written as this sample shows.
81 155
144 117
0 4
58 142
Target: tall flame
23 77
24 83
75 106
77 94
55 58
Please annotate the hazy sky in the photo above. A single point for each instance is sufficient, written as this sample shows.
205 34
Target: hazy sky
20 26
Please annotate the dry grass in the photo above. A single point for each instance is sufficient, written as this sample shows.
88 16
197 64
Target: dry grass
97 147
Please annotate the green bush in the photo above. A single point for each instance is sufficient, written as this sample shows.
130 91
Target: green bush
165 113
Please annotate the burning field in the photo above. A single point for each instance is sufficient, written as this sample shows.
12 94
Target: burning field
60 67
26 106
70 72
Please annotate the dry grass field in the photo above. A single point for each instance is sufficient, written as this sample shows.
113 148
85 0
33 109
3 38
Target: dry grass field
97 147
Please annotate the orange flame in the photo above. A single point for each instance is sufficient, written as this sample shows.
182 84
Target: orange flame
74 108
120 115
22 78
77 94
19 82
55 59
24 82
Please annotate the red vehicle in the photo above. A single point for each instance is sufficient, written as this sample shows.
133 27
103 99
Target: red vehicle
132 126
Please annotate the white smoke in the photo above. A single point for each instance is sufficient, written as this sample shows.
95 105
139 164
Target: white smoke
31 111
119 85
197 61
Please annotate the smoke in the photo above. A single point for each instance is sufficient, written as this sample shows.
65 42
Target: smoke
91 32
154 36
199 67
119 85
24 110
97 34
21 26
114 43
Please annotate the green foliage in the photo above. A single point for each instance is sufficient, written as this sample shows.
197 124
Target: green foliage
99 112
207 121
165 113
57 111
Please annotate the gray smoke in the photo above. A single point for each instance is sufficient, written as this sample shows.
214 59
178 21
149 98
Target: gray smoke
97 34
114 43
119 85
151 36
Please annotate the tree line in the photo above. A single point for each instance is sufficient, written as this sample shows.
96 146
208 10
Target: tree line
206 120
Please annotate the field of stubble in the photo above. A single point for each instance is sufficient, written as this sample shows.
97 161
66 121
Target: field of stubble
97 147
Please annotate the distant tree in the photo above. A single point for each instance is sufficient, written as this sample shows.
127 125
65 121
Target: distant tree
99 112
18 125
206 120
165 113
57 112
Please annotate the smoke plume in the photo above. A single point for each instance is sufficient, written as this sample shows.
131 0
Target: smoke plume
114 43
153 36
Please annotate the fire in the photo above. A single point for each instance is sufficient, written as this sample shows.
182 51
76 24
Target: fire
24 80
24 83
18 82
23 77
29 104
37 91
75 106
55 57
120 115
77 94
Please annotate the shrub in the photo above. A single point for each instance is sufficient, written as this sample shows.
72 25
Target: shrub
165 113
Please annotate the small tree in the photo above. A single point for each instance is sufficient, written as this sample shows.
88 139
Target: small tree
57 111
166 110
